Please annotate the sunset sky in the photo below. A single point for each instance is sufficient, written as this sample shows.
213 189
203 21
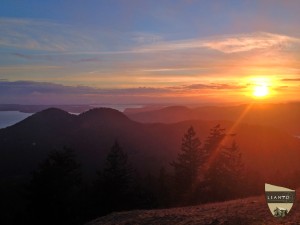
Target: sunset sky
133 51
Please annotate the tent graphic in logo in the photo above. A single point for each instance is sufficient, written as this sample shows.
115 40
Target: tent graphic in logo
280 199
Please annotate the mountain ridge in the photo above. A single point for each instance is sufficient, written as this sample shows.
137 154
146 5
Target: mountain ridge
149 146
282 116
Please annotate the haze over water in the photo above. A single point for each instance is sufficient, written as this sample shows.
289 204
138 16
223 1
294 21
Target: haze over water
8 118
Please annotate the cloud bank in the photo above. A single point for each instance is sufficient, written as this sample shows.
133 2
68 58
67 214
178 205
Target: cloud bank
29 92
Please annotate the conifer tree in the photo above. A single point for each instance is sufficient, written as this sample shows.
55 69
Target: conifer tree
188 162
116 179
163 188
54 188
225 173
213 141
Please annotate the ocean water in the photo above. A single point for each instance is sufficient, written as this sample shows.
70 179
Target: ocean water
8 118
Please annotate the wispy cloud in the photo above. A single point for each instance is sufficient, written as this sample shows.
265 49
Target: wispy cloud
252 41
215 86
69 40
146 38
46 51
31 34
227 43
30 92
291 79
20 68
42 35
30 87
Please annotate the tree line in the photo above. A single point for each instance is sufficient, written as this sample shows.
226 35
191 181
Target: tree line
202 172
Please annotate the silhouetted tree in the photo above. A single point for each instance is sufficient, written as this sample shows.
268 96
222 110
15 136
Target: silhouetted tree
13 203
53 189
144 194
225 173
188 162
214 140
115 181
163 188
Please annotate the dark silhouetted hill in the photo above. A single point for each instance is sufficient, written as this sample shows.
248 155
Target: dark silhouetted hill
171 114
37 108
284 116
149 146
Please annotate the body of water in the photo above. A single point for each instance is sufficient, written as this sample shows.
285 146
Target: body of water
8 118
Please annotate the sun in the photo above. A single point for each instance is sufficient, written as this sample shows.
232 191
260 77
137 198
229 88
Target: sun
260 87
260 90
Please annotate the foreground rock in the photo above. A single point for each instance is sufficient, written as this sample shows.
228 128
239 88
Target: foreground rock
243 211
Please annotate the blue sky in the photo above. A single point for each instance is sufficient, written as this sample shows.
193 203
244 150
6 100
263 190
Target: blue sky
159 46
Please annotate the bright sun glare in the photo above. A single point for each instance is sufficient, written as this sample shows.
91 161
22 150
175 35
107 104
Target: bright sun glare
260 90
261 87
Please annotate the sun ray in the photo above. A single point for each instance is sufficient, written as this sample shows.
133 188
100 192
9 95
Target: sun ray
227 137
